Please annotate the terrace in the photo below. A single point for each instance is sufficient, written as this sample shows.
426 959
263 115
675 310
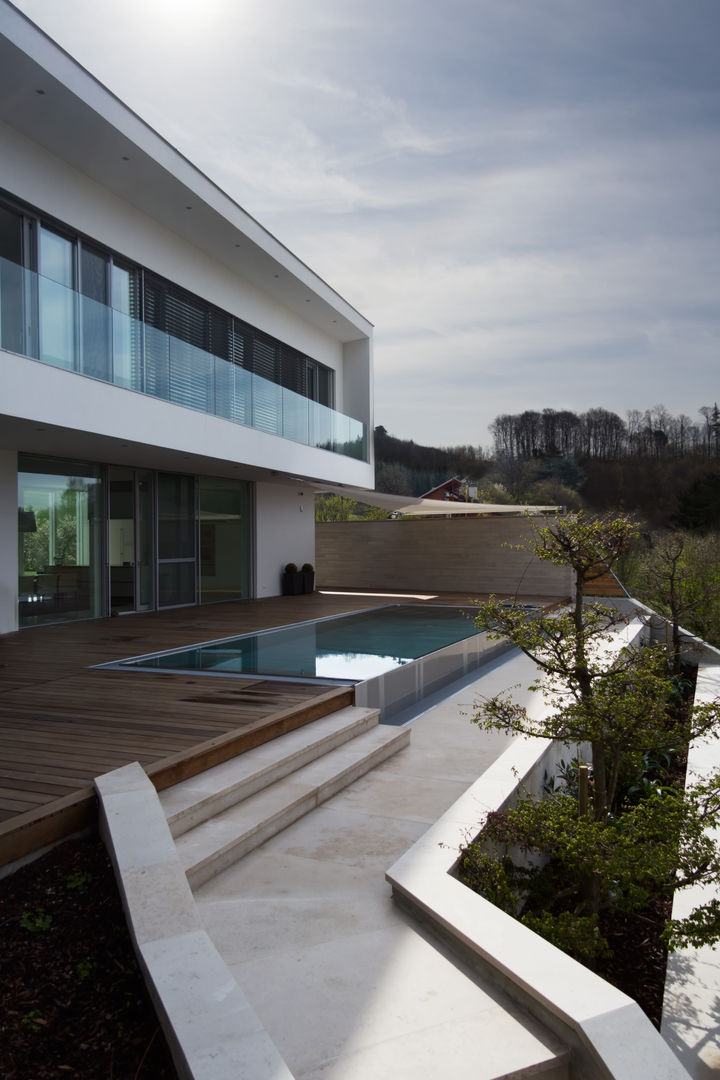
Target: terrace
62 722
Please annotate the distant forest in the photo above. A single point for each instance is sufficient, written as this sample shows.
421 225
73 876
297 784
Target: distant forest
599 433
663 468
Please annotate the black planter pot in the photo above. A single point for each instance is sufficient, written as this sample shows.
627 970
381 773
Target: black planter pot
293 584
308 577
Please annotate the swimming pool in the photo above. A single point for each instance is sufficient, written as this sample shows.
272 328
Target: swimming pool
394 655
341 648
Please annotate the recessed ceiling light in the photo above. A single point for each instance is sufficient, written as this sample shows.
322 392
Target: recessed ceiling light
40 92
307 300
125 157
188 207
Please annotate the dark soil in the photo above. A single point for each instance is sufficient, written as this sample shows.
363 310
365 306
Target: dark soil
72 999
639 959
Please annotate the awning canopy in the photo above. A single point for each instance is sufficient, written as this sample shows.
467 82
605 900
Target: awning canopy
442 508
407 504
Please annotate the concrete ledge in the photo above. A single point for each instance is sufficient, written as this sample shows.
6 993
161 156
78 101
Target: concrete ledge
609 1035
212 1031
692 987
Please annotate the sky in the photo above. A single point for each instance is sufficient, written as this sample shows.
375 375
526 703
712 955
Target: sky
523 196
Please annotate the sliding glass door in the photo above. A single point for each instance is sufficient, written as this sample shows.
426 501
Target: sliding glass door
59 540
176 544
131 566
114 540
225 509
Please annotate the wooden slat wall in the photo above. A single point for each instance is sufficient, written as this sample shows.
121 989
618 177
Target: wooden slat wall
601 582
436 554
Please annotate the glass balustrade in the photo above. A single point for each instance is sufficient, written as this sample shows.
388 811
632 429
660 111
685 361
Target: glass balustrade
44 319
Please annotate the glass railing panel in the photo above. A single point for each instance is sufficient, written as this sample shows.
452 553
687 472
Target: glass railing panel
242 399
224 389
58 323
156 367
233 392
266 405
295 416
18 309
48 321
127 350
321 426
341 432
96 326
191 376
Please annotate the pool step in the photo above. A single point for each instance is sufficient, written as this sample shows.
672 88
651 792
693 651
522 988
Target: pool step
267 796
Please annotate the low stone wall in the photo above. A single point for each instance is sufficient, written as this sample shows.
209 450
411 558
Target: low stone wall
436 554
212 1031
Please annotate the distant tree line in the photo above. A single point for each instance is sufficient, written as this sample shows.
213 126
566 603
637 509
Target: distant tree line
404 467
601 434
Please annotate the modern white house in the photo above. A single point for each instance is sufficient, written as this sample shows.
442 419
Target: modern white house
172 378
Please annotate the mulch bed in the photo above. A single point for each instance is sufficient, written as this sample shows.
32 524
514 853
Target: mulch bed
639 958
72 999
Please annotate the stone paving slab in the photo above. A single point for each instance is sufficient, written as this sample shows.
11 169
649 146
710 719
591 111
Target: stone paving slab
345 982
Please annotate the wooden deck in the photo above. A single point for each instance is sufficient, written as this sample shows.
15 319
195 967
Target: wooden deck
62 723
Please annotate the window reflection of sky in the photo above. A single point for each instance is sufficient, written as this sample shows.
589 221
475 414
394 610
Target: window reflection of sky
354 665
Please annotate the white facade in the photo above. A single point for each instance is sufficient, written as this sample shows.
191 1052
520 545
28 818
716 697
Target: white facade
80 170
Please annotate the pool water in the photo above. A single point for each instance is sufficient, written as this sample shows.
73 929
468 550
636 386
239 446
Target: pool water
342 648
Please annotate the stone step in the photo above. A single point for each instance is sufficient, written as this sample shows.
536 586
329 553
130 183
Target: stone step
214 844
202 797
551 1068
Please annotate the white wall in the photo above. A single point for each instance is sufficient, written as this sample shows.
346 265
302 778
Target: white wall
358 374
284 532
8 541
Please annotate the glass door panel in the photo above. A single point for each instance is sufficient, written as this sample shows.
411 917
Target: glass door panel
144 592
224 539
130 539
177 530
121 538
59 522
